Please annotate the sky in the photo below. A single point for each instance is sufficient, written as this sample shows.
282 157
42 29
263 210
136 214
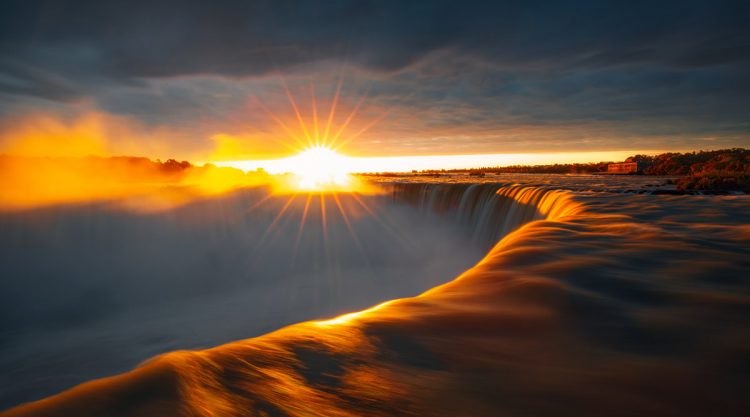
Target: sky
211 81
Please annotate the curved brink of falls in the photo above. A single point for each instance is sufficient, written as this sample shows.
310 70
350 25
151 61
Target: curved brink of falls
598 305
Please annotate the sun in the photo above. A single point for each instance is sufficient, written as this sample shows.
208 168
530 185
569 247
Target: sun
320 168
317 167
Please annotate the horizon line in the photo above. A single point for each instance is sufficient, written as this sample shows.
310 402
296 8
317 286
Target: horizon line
408 163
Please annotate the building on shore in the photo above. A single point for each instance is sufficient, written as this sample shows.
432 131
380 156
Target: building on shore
625 168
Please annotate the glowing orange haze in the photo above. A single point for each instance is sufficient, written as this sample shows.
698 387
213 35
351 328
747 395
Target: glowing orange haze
136 183
275 151
316 162
49 161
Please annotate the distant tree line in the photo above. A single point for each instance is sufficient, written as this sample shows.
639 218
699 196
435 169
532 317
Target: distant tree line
695 163
724 169
672 163
578 168
721 170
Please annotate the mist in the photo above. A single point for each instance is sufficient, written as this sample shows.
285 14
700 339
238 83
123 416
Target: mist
94 289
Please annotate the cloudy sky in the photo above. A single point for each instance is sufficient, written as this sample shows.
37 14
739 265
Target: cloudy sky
206 80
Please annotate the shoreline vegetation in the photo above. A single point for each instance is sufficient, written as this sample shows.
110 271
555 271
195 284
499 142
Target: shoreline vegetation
721 170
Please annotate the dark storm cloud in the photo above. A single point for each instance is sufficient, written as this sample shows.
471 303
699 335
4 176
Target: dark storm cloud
168 38
530 61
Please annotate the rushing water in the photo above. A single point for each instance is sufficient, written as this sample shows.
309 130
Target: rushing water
598 300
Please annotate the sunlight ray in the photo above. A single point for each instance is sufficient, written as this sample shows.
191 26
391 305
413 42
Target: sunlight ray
388 228
303 220
284 126
278 217
362 131
332 111
296 111
258 203
348 120
316 128
348 224
323 216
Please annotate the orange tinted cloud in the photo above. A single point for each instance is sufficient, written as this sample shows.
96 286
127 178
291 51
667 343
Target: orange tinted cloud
90 133
256 145
43 135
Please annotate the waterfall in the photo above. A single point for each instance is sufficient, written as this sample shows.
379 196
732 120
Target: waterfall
486 211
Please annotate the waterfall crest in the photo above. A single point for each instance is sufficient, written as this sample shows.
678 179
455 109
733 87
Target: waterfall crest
488 211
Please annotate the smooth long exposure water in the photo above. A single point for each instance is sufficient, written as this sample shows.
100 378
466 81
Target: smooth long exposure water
601 298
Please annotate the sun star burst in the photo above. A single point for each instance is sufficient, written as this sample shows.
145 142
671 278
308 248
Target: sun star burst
320 168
